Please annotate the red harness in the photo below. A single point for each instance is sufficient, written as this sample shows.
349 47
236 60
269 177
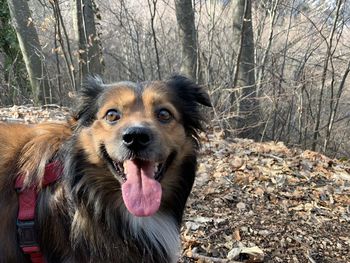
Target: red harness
27 198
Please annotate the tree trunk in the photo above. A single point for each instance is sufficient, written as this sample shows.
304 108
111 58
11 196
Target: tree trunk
14 70
31 50
247 124
187 34
63 39
90 57
153 10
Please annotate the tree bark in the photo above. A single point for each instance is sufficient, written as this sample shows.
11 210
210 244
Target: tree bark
31 50
152 10
90 59
14 70
247 124
63 39
187 34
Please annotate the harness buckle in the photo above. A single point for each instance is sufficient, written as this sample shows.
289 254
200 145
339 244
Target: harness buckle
26 234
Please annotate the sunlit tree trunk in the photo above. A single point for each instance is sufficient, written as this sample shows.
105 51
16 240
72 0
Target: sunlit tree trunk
187 33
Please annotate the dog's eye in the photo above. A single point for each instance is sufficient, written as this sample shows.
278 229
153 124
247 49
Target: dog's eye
164 115
113 116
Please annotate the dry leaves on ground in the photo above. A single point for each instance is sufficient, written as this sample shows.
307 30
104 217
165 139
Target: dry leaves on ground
263 202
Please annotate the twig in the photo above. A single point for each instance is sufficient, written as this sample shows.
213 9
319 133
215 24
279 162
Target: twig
218 231
12 120
310 258
196 255
272 156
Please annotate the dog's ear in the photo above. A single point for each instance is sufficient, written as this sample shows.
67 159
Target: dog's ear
87 100
188 90
188 97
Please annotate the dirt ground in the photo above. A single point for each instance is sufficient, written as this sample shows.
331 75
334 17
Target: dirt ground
255 202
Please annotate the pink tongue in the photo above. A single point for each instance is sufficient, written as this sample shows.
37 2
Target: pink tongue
141 193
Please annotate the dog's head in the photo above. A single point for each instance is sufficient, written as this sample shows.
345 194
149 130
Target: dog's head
141 132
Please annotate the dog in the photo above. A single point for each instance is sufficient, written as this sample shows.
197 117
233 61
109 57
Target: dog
125 165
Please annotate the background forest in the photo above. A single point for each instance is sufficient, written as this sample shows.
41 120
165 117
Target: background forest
275 69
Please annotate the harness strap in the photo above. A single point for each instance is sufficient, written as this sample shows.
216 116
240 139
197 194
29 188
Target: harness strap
36 257
27 198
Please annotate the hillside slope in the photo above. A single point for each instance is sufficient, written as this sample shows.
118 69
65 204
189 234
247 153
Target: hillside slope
255 202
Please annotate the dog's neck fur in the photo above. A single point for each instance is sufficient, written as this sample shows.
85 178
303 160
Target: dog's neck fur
161 230
157 235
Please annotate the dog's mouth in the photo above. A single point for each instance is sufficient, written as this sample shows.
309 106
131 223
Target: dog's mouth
141 188
156 169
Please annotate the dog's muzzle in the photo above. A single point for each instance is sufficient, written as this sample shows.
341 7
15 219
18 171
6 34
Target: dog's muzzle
139 167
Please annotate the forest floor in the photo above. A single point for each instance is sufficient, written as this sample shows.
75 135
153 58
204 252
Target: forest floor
255 202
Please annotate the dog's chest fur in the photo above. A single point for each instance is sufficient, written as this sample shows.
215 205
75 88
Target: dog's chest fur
160 230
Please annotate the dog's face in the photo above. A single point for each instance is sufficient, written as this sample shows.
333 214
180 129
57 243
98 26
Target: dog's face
141 132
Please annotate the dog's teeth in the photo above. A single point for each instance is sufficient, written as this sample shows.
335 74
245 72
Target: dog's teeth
124 177
156 167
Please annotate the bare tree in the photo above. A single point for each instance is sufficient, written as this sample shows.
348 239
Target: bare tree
90 60
247 123
152 6
31 50
329 55
62 38
187 33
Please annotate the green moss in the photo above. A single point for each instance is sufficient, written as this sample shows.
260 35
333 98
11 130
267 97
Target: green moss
9 47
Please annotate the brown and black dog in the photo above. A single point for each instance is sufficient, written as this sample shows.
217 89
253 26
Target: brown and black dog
127 167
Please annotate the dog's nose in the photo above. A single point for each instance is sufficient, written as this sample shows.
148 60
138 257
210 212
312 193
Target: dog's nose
137 138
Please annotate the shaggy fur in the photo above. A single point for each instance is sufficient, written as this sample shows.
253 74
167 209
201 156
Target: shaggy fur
83 216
